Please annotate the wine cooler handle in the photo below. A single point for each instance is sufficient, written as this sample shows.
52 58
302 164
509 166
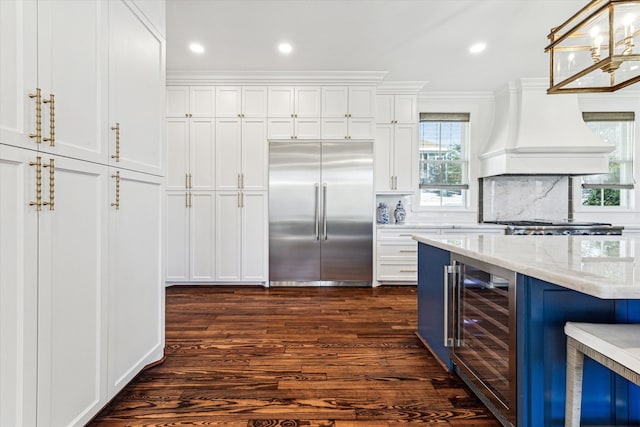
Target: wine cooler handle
448 340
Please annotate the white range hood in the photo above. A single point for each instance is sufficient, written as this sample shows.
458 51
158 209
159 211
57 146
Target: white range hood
536 133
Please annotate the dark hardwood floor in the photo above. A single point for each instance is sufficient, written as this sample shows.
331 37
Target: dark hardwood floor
315 357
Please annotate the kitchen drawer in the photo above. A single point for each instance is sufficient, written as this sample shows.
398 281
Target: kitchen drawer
404 233
398 272
388 251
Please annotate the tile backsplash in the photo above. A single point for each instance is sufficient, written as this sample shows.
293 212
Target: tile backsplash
525 197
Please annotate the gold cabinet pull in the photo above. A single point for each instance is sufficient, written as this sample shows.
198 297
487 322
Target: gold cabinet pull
117 178
52 120
38 97
117 129
242 181
238 201
239 183
190 181
38 165
52 185
186 181
242 199
408 271
190 200
186 199
408 251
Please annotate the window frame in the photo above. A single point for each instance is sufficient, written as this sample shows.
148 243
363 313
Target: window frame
464 186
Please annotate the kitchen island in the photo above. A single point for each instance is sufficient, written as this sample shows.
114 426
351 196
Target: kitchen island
506 299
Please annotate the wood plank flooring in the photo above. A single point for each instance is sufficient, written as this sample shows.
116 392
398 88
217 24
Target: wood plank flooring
313 357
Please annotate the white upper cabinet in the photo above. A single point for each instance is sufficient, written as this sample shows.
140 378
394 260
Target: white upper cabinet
237 101
136 91
190 101
241 154
292 102
348 101
72 78
190 154
392 109
18 72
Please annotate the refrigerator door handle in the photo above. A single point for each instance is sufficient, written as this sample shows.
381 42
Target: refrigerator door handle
316 211
324 211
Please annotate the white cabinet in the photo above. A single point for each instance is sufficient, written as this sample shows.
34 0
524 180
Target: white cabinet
190 241
303 128
190 154
397 255
241 154
72 291
241 236
135 276
395 153
136 91
392 109
18 72
18 287
89 66
241 101
190 101
294 102
348 112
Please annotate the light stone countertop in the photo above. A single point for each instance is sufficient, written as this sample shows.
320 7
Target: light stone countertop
418 225
601 266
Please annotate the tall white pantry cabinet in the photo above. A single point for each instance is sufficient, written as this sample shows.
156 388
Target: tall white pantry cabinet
81 203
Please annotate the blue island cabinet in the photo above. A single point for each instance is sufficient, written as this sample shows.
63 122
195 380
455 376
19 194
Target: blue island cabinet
542 310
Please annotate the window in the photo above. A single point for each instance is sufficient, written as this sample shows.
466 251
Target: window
613 188
443 163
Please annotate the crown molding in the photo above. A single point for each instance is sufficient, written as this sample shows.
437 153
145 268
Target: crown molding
248 78
400 88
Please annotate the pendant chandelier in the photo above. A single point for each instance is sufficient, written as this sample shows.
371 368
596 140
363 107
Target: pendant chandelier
597 49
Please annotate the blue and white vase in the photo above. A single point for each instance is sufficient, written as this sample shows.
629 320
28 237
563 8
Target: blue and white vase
399 213
382 213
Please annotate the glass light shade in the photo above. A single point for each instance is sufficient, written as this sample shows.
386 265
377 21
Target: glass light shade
597 49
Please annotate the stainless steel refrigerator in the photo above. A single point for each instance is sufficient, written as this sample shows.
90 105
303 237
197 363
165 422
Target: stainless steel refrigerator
320 213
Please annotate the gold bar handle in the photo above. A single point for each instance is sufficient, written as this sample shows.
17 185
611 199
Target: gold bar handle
242 199
186 181
408 251
238 201
117 129
238 183
52 185
117 203
38 165
190 181
52 120
242 181
408 271
38 97
186 199
190 200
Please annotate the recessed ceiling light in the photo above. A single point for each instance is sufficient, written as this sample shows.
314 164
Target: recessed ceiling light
478 47
285 48
196 48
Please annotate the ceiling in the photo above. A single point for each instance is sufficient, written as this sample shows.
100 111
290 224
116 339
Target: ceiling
412 40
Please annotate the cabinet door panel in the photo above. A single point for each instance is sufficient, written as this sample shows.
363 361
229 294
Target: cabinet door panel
255 153
384 108
362 101
18 72
228 153
202 236
335 128
361 128
254 101
202 156
383 154
228 99
72 58
72 295
307 102
308 128
280 128
135 277
177 237
405 109
177 99
202 101
136 90
405 155
254 236
18 293
228 243
335 101
280 101
177 153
